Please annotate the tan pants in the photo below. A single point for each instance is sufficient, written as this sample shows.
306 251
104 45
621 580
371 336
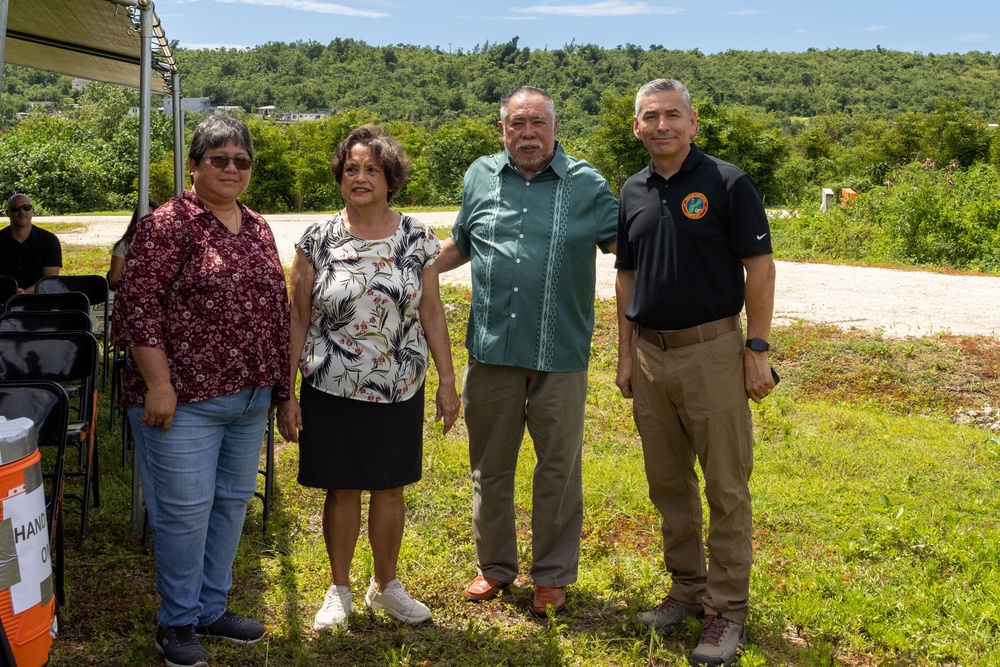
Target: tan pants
690 402
499 401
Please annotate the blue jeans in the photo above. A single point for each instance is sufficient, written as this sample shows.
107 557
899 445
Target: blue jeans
197 480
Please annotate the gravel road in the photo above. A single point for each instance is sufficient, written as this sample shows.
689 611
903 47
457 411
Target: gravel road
898 303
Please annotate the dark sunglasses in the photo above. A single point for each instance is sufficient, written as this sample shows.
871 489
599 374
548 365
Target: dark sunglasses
221 161
14 208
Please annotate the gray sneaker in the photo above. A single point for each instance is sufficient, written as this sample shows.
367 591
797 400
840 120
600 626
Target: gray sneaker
669 616
396 602
720 639
336 608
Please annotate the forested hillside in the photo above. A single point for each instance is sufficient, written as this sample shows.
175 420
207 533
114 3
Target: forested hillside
430 86
893 126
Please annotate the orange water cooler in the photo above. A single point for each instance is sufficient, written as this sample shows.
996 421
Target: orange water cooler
27 603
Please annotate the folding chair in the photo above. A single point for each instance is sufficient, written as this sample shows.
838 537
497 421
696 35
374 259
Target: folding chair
95 287
8 288
63 357
41 302
267 471
47 405
51 320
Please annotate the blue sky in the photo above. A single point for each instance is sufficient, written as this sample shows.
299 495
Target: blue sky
709 25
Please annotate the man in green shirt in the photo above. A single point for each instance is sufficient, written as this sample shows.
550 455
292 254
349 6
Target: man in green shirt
531 221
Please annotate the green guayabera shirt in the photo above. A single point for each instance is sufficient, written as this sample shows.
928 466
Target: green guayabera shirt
534 247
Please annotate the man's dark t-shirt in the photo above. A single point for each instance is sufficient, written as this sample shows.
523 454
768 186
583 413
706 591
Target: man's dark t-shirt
24 261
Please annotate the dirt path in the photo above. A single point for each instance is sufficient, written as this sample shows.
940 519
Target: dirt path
899 303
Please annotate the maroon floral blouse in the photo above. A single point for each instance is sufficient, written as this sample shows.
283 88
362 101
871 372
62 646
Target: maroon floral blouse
215 301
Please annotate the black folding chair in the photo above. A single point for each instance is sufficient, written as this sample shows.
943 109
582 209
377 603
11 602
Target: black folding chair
63 357
267 471
8 288
47 320
47 405
95 287
41 302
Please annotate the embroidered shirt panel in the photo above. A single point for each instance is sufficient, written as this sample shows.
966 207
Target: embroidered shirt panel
533 246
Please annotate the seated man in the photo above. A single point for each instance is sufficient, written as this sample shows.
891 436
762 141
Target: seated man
26 252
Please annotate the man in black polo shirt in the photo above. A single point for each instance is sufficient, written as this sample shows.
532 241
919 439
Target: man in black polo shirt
26 252
693 245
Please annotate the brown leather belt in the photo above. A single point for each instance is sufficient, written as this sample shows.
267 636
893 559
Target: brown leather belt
681 337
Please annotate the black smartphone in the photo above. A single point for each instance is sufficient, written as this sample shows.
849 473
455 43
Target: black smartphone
774 374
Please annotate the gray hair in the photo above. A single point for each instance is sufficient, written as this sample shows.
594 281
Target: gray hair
526 90
219 130
663 86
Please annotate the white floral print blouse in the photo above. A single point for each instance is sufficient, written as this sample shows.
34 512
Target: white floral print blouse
365 340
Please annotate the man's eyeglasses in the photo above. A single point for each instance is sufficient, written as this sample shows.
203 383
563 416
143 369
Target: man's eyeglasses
14 208
221 161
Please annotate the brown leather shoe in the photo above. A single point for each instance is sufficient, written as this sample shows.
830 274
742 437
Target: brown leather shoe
545 597
483 588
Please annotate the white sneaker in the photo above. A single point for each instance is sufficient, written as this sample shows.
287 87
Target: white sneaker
396 602
336 608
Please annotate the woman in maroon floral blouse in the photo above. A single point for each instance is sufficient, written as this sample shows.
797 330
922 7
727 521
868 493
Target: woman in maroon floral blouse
203 307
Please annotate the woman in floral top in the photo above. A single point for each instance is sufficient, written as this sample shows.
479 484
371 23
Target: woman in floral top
365 310
203 307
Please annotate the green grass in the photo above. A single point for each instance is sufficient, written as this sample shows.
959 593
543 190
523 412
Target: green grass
876 532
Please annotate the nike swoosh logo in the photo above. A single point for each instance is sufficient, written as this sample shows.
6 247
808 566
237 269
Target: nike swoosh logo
760 236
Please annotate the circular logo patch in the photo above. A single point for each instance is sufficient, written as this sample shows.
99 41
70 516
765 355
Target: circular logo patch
695 205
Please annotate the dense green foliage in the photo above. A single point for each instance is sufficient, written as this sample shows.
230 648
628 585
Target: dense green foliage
796 122
927 217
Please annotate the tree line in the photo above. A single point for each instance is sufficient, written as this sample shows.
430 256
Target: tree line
796 122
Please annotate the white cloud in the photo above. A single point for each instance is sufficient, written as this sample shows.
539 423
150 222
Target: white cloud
314 6
743 12
973 37
603 8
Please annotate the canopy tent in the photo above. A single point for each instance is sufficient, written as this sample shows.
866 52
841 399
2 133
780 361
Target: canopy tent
93 39
115 41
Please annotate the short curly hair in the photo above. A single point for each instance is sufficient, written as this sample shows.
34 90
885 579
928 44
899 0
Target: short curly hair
386 150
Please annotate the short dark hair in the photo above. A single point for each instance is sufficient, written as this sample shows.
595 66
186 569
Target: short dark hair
386 150
219 130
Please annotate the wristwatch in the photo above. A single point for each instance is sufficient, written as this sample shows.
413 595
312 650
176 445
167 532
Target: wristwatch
758 344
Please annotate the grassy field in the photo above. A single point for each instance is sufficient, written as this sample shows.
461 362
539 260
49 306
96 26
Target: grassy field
876 531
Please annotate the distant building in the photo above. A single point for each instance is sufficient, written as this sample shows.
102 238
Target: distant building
78 83
188 105
266 111
304 115
228 109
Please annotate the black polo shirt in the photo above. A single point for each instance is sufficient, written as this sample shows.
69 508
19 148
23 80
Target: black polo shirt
24 261
684 238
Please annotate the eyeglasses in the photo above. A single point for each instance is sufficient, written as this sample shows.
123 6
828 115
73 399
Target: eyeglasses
14 208
221 161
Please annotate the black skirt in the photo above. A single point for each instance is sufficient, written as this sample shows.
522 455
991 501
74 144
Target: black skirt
349 444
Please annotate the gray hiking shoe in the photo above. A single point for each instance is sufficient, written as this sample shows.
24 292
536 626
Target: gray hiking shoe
669 616
720 639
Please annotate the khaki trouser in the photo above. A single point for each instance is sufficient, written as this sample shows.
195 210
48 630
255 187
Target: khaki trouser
690 402
499 401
